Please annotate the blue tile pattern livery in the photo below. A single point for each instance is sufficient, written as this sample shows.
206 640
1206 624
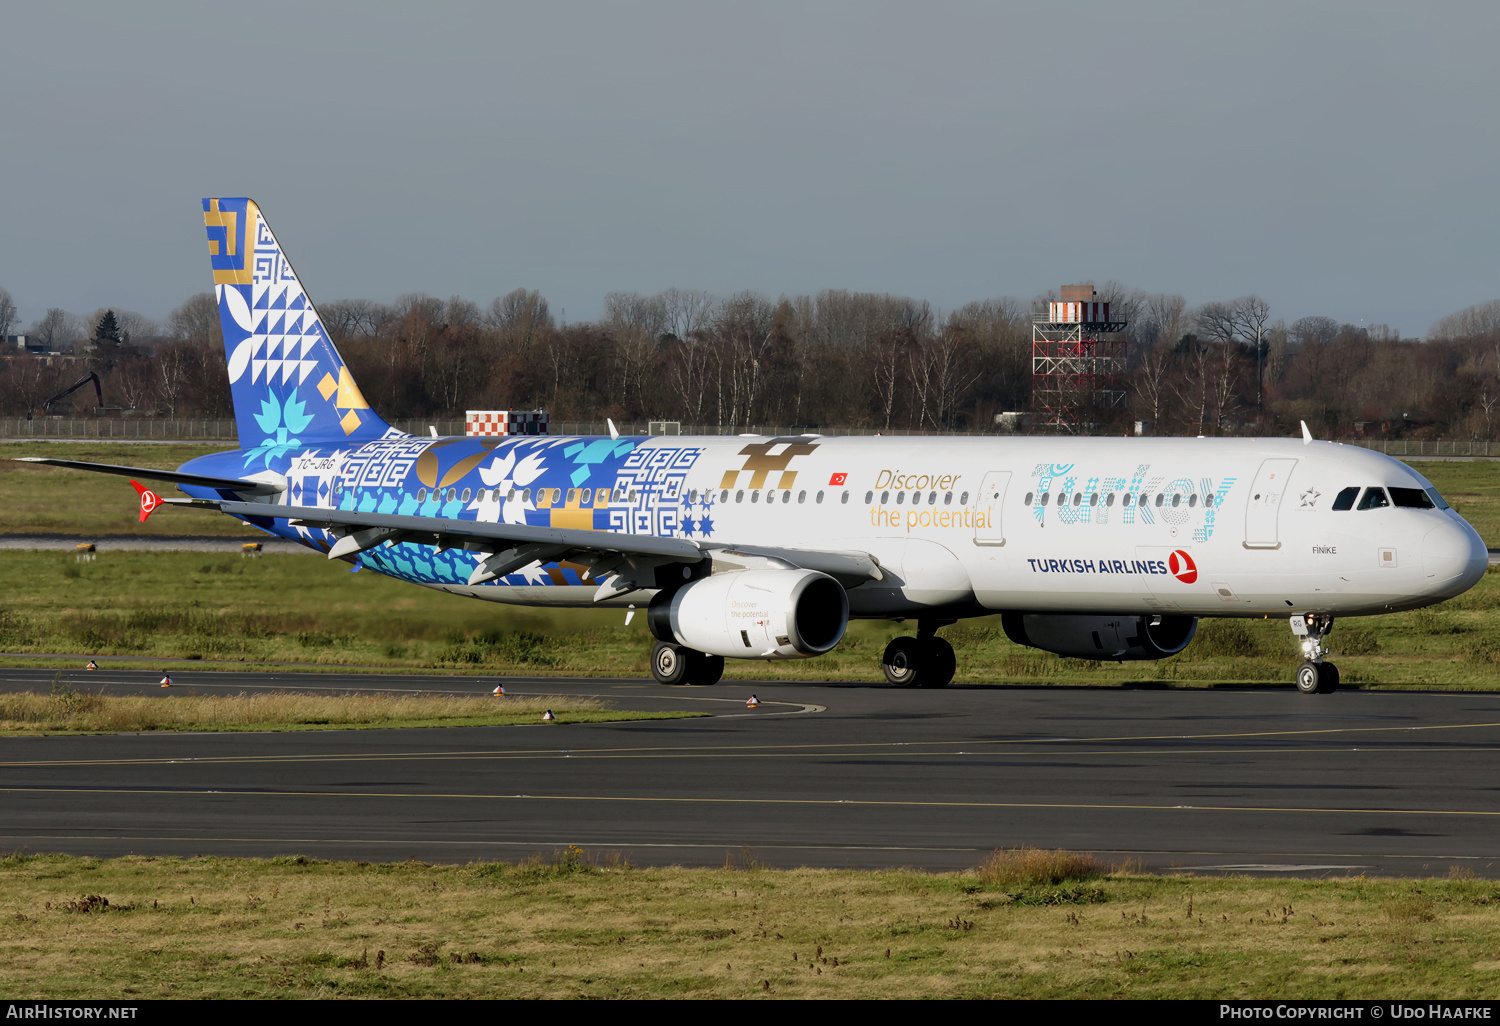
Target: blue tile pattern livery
588 483
288 382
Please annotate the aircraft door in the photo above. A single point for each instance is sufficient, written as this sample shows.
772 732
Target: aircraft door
989 508
1264 503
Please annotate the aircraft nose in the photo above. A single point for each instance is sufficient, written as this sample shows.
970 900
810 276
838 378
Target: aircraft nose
1454 558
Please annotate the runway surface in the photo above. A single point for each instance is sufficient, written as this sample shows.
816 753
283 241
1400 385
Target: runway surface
1221 780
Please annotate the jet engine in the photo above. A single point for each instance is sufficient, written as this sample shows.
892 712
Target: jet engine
754 614
1102 637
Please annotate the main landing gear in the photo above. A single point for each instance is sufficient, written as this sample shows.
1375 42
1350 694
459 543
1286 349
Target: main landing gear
926 661
673 664
1315 677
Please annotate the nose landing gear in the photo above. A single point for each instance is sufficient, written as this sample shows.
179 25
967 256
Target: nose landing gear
1314 676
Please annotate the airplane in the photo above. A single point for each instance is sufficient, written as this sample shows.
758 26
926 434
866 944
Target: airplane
764 547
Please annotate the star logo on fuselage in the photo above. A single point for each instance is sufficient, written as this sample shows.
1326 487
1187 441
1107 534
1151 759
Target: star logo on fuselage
1310 498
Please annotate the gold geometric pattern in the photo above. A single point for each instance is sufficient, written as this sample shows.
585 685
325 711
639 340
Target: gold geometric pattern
327 386
761 463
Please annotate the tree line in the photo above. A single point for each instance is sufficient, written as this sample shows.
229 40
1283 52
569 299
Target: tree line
837 359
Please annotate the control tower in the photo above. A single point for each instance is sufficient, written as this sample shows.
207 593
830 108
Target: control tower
1077 370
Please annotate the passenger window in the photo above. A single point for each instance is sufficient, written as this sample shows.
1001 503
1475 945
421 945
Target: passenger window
1374 498
1044 498
1345 499
466 494
948 499
421 494
755 496
724 495
1410 498
1109 500
845 499
885 497
1176 501
869 498
963 500
801 497
1094 499
1126 502
739 496
1208 501
1159 498
1029 497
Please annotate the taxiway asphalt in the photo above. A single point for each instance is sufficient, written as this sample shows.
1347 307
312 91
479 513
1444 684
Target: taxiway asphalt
1258 780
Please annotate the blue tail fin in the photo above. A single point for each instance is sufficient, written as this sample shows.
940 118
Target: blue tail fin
289 384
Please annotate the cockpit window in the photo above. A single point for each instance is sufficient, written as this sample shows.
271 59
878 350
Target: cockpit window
1345 499
1374 498
1438 500
1410 498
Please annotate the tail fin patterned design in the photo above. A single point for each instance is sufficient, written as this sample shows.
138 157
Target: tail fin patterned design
289 384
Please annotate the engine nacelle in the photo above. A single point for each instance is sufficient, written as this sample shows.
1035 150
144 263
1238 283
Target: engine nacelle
754 614
1102 637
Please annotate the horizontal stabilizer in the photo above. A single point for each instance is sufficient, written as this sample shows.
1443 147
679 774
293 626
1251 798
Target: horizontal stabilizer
226 484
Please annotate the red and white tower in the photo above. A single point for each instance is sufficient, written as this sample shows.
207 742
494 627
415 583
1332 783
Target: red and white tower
1077 369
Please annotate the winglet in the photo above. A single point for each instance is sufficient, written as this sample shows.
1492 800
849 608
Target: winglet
149 500
614 432
1306 434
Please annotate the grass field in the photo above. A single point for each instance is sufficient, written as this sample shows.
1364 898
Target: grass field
66 710
568 925
51 500
294 609
291 609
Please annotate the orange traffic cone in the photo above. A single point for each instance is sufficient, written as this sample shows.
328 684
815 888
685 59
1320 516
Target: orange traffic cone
499 690
166 682
753 703
548 715
92 665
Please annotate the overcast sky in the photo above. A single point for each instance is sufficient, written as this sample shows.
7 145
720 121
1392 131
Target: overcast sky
1334 158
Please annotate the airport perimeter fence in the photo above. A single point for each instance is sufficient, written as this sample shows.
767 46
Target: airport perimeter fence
200 430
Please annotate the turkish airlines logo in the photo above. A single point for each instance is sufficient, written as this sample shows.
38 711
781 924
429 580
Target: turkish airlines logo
1181 566
149 500
837 479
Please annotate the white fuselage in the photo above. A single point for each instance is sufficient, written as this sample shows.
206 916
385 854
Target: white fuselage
1197 526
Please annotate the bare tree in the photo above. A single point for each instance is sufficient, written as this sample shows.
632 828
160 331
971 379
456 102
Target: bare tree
7 313
197 321
1472 322
519 317
687 311
57 331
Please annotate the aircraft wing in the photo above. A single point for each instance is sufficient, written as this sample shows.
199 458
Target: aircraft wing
228 484
624 562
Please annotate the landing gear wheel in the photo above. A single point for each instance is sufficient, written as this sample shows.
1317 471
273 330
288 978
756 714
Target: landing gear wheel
1310 678
1328 678
669 663
903 662
703 669
941 663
